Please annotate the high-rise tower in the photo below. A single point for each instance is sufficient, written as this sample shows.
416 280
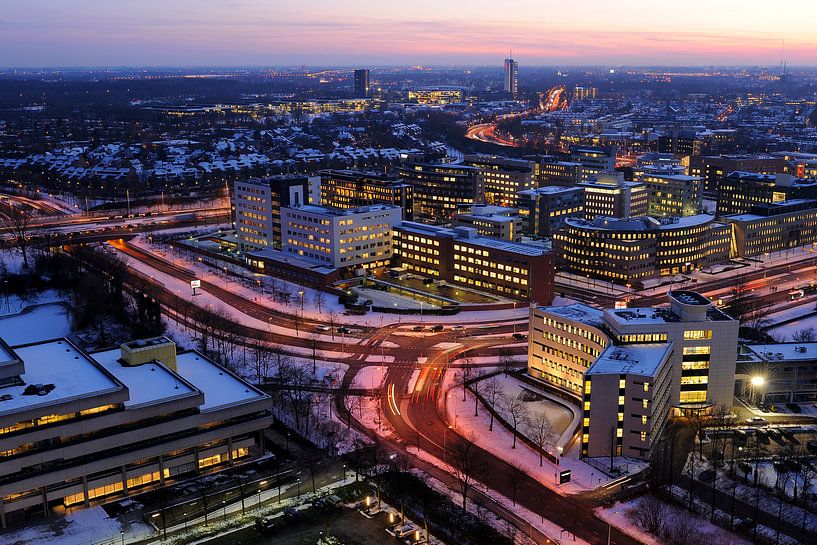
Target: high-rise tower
362 83
511 77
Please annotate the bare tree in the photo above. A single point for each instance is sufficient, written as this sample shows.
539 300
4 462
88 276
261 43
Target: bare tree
319 300
492 393
539 429
22 232
516 410
461 379
505 360
351 404
805 335
477 385
651 515
466 462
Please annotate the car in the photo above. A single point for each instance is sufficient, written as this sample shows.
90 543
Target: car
756 420
265 525
292 515
324 328
438 327
404 530
344 330
417 328
520 337
458 327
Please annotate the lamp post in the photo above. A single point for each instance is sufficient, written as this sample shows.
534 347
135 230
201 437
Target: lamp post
756 382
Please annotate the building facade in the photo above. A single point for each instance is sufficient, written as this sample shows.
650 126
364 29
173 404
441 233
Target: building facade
501 178
673 195
76 428
546 208
490 221
739 192
438 189
553 171
351 238
594 160
511 82
440 95
462 257
774 227
258 203
345 189
608 195
634 250
362 83
714 167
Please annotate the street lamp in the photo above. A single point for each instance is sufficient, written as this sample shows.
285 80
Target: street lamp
757 382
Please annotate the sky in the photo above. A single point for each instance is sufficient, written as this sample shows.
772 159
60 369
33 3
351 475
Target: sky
54 33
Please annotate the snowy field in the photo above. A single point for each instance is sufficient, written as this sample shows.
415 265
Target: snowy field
43 322
370 377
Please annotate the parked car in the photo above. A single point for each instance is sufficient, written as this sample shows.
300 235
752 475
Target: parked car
438 327
292 515
417 328
345 330
756 420
324 328
265 525
520 337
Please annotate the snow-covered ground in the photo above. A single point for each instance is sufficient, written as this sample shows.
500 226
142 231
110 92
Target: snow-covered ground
370 377
48 321
89 526
619 516
14 304
499 442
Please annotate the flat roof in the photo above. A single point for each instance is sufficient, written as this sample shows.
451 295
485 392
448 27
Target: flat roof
784 351
294 260
57 362
637 359
220 387
548 189
578 312
326 211
146 383
436 231
641 223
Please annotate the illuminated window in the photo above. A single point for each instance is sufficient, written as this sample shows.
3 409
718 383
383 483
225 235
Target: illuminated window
697 334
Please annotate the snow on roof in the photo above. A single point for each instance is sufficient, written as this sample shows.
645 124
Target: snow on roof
146 383
578 312
60 363
638 359
785 351
220 387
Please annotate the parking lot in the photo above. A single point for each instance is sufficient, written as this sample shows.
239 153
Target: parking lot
349 526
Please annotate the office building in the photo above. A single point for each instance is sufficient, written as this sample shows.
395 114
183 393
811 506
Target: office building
608 195
773 227
552 171
546 208
490 221
704 339
673 194
439 96
594 161
258 204
627 393
463 258
362 84
563 342
798 164
347 189
714 167
438 189
501 179
341 239
77 428
511 82
630 367
739 192
783 372
631 251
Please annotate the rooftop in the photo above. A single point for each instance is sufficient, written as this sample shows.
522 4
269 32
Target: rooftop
60 364
445 232
636 359
578 312
326 211
146 383
550 189
220 387
644 223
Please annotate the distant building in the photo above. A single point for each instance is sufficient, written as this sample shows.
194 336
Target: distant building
490 221
80 428
258 204
799 165
511 83
584 93
673 194
438 189
500 179
362 84
439 95
462 257
773 227
788 370
594 161
351 238
553 171
608 195
712 168
739 192
630 251
346 189
546 208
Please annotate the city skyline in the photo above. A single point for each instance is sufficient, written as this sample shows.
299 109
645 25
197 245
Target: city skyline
255 33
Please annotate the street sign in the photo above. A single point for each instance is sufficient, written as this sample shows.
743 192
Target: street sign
564 476
195 284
